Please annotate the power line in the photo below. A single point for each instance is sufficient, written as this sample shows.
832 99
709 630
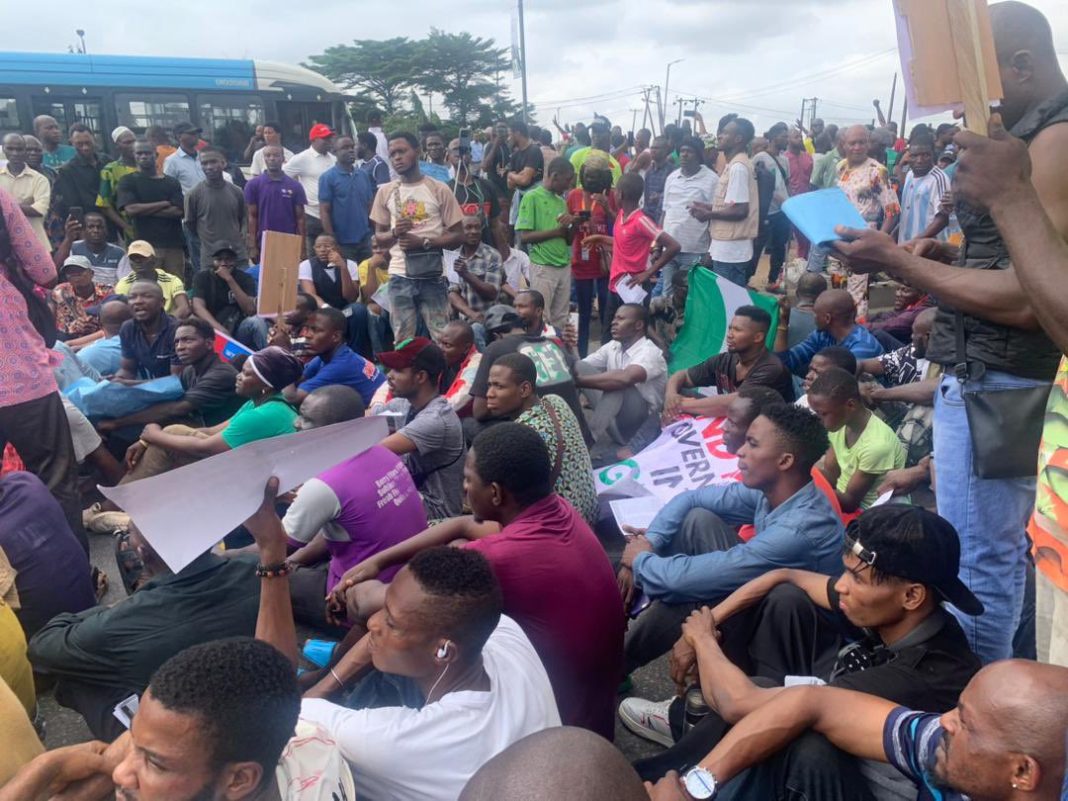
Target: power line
801 80
592 98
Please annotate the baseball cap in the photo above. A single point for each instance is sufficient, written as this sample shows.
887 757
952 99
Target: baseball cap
319 131
186 127
501 316
140 247
417 352
81 262
224 246
912 543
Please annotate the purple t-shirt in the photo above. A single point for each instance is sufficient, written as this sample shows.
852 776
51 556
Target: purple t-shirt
364 505
276 202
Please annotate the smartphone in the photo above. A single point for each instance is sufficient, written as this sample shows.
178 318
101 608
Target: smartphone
584 215
77 213
465 140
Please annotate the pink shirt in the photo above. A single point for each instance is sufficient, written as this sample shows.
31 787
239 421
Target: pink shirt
25 370
634 236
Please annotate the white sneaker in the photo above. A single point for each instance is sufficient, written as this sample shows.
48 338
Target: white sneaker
98 522
648 719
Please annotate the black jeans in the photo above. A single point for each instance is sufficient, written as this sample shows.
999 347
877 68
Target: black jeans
775 237
39 431
585 290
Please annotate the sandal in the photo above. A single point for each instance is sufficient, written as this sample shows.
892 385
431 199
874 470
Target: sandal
100 583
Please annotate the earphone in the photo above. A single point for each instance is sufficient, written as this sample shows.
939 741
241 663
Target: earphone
443 651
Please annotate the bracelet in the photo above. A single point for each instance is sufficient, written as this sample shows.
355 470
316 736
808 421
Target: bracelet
272 571
142 443
340 683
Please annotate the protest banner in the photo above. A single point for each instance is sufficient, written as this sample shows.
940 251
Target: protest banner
688 455
227 348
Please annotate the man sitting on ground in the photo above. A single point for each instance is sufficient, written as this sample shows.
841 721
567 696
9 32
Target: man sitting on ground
105 355
624 381
863 447
992 741
836 324
441 636
800 318
225 296
431 441
896 325
76 300
478 266
147 341
103 655
142 258
521 526
834 356
348 513
747 361
900 644
334 361
513 395
691 552
208 382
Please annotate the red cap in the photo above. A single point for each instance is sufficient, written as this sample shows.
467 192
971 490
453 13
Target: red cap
418 352
319 131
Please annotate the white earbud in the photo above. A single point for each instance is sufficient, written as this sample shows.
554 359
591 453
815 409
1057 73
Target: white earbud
443 651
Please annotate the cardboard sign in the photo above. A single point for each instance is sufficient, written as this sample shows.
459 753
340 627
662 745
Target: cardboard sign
961 77
279 265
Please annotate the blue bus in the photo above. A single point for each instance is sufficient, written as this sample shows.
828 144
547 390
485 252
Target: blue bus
228 98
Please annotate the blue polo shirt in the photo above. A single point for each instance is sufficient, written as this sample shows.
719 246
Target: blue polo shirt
345 367
349 195
153 359
859 342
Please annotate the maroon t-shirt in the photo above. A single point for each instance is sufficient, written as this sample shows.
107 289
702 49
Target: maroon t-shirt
559 586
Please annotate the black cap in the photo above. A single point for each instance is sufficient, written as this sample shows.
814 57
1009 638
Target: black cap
224 246
911 543
186 127
501 317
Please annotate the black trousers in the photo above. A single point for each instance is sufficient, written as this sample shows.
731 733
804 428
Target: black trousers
38 430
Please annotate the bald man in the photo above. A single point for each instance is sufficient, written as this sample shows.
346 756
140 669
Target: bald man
30 188
557 764
56 154
1005 347
1004 741
836 324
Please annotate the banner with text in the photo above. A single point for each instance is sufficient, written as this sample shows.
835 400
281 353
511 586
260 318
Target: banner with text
689 454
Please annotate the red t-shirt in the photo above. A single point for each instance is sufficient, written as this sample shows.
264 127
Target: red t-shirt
634 237
559 586
586 261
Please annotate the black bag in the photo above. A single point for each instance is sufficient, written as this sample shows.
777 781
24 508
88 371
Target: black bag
1005 424
37 308
423 263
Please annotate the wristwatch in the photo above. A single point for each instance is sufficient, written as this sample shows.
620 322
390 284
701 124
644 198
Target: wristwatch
426 243
700 784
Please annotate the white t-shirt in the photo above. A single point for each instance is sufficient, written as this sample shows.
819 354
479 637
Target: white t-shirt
516 267
680 191
644 353
311 767
429 754
734 251
257 167
304 271
306 167
429 204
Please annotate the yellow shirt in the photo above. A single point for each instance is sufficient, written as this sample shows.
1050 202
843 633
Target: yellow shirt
172 287
15 668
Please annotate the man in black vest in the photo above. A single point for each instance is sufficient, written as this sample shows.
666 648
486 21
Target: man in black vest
334 281
1003 345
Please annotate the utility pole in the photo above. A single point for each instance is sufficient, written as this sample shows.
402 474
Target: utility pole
667 82
645 100
678 117
660 107
893 91
633 119
523 57
812 111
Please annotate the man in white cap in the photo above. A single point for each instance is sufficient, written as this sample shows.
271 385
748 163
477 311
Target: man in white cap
111 174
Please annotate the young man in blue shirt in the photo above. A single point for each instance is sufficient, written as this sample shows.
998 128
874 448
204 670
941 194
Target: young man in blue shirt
345 196
334 362
836 324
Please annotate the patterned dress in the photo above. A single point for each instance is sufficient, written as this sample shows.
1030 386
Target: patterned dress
868 189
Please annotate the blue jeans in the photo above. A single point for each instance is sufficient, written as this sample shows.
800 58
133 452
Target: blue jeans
253 331
736 273
585 289
367 334
817 258
682 261
990 516
412 299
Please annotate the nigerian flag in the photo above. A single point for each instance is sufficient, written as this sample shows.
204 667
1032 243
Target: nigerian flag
709 308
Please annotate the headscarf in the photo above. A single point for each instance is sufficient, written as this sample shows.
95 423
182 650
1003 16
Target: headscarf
276 367
122 129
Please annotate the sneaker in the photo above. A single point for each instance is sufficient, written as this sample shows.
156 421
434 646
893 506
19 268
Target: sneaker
648 719
98 522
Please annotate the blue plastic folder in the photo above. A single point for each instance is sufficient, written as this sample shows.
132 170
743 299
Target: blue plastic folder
815 214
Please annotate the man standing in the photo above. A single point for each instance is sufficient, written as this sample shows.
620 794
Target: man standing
775 233
601 146
104 256
306 167
416 218
374 127
435 165
543 223
526 165
659 168
225 296
275 201
78 181
495 160
154 205
800 171
56 154
272 135
345 197
29 188
183 163
692 182
110 176
921 196
734 213
478 266
35 158
368 159
215 210
477 197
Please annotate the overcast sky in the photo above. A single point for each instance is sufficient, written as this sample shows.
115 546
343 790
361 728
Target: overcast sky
757 57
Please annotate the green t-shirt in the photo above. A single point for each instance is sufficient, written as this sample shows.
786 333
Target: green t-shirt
876 451
272 418
538 211
825 173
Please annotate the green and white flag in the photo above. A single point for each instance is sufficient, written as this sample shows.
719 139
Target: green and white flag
710 306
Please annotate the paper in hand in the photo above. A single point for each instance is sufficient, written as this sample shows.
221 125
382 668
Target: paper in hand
815 214
628 293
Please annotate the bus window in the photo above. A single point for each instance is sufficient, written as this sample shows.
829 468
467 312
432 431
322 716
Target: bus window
68 111
143 110
229 122
9 115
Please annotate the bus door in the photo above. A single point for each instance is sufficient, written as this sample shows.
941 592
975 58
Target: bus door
69 109
297 118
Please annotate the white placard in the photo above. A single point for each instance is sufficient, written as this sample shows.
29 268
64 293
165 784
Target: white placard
628 293
186 511
635 512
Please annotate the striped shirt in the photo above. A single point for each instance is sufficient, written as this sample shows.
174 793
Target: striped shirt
920 200
911 740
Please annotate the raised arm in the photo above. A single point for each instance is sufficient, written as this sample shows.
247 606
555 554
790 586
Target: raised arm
274 621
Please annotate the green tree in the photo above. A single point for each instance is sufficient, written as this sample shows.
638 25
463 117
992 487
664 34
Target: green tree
382 72
459 67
